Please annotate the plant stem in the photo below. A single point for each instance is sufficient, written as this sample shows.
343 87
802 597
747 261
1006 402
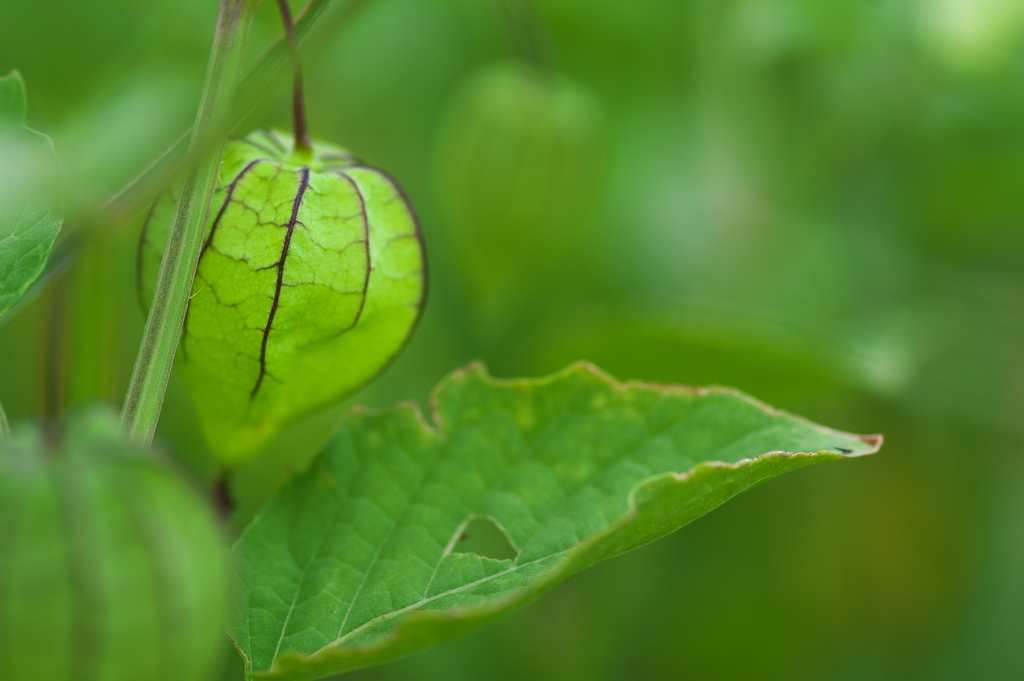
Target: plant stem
174 283
302 141
223 504
5 429
139 192
53 349
528 34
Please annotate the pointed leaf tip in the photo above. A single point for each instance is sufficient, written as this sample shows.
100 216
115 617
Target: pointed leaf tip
356 562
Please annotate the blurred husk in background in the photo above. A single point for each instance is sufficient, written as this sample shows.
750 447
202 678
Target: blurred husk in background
112 568
818 203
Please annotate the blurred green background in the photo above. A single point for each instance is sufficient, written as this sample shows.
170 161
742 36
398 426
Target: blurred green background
820 202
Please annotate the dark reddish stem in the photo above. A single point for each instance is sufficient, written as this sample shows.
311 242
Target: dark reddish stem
221 498
54 349
527 32
302 141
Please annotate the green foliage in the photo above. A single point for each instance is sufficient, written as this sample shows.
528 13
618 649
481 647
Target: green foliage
359 560
816 202
110 567
310 280
30 211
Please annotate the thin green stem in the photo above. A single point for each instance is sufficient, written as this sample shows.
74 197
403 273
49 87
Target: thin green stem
5 429
266 72
174 283
139 192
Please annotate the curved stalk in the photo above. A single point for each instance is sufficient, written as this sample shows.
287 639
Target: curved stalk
266 72
527 33
133 197
174 283
303 145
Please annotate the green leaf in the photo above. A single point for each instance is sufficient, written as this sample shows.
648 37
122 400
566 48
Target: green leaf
310 281
110 566
358 560
30 211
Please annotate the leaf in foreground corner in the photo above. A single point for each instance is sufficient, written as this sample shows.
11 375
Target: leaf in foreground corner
30 212
357 561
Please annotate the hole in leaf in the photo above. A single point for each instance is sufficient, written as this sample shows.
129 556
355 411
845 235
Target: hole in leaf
484 537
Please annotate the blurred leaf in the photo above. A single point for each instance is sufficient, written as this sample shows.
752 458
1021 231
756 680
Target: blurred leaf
310 281
30 212
358 561
689 346
112 568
